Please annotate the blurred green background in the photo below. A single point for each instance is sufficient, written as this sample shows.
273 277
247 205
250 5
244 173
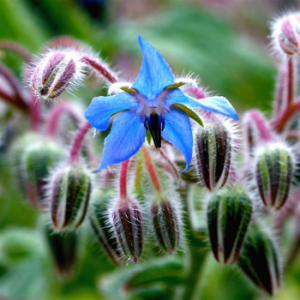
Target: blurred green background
223 43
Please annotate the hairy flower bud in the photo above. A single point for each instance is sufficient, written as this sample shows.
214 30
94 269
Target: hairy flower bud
256 129
213 152
55 72
166 224
273 174
126 218
69 195
259 260
33 158
63 248
286 34
228 215
98 217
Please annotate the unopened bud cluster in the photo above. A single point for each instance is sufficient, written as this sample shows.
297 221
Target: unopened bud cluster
246 184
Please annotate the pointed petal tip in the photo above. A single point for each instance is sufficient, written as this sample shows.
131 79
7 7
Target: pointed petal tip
135 260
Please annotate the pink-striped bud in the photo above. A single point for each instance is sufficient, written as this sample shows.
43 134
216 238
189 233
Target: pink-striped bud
55 72
69 195
286 34
126 218
166 224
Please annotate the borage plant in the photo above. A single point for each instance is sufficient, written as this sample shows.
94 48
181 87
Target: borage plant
160 126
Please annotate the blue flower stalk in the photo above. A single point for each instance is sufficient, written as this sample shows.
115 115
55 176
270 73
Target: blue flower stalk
153 104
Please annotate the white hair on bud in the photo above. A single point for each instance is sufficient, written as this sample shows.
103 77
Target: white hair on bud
234 135
116 88
276 32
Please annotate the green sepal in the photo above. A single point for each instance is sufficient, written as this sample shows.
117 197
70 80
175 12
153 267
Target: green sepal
148 137
128 89
176 85
191 114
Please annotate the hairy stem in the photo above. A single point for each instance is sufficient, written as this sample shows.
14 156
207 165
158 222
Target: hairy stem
100 68
196 255
56 112
17 48
123 179
18 98
35 113
264 131
151 169
285 117
77 142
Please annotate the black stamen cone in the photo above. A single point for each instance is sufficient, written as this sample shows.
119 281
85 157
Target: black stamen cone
155 129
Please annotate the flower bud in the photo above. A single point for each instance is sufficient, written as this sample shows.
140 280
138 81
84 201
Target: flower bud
69 195
99 221
126 218
63 248
213 152
33 157
259 260
55 72
286 34
228 215
256 129
273 173
166 224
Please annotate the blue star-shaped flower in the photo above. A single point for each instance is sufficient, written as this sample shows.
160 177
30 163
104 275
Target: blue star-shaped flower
149 105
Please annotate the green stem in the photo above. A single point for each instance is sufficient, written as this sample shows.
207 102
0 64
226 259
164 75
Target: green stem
197 252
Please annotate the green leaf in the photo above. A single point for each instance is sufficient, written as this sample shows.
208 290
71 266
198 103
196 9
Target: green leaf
148 136
191 114
170 273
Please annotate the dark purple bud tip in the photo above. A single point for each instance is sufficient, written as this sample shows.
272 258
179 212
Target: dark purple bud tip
166 224
273 173
228 215
259 260
213 152
126 218
69 196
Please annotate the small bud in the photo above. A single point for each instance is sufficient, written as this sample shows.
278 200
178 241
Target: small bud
69 195
99 221
273 173
256 129
63 248
126 218
33 158
259 260
213 152
286 34
166 224
55 72
228 215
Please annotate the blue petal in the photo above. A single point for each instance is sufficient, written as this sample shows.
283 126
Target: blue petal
125 139
155 73
178 132
101 108
215 104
